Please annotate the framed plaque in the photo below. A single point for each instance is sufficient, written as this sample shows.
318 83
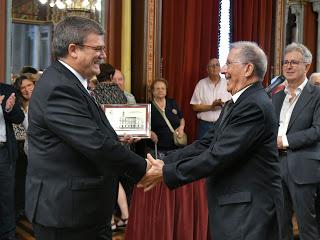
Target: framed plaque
129 119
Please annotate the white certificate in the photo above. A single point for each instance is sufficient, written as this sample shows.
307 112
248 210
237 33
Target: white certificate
129 119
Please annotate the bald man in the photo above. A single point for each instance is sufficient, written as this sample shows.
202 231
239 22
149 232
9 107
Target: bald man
118 78
315 79
209 96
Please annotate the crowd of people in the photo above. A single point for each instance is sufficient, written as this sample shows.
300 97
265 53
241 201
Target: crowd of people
260 156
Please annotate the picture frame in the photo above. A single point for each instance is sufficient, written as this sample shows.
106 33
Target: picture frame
132 119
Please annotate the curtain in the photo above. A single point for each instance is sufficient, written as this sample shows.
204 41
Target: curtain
310 33
189 40
253 20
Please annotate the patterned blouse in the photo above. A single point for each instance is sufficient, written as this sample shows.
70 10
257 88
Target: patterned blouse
109 93
19 132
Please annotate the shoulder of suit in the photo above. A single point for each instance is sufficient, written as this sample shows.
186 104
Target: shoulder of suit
254 96
314 88
170 100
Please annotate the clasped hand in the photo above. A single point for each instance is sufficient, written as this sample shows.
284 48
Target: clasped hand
128 139
10 101
154 173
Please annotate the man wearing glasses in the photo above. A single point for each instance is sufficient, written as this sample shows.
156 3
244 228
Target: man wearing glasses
298 111
75 158
209 96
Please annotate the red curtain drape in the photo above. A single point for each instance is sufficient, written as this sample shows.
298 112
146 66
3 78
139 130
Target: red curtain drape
189 40
310 33
253 20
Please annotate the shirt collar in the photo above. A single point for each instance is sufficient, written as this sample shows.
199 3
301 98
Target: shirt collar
299 89
238 94
78 75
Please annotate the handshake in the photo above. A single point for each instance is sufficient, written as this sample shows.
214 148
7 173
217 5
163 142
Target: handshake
154 173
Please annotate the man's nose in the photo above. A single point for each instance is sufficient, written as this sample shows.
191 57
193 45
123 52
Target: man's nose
223 69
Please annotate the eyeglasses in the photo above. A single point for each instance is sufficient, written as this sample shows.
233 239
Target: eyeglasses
95 48
235 62
293 63
214 65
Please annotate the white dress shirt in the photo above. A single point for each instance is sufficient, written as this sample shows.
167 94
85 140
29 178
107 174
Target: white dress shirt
206 92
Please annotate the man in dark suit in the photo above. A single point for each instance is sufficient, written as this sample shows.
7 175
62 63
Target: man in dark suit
238 156
298 111
75 157
10 112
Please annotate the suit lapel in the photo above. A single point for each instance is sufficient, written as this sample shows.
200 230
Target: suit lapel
93 101
72 78
305 97
278 101
227 116
255 87
76 81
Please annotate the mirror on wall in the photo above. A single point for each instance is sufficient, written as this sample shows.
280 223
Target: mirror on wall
31 46
32 27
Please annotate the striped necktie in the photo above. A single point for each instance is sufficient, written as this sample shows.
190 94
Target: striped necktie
226 109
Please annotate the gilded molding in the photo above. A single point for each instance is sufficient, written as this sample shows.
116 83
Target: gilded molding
150 44
279 36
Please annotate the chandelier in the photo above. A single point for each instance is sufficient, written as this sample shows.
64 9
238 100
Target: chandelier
74 5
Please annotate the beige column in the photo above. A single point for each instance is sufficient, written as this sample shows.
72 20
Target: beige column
126 43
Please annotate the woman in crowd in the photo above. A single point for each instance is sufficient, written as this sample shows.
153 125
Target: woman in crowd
24 86
108 92
161 214
161 134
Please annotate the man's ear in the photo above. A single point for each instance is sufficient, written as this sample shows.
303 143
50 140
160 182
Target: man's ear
72 49
307 68
248 71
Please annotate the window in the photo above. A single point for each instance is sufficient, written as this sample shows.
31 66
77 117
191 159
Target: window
224 31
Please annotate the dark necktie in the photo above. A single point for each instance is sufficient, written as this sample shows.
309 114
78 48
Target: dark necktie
226 110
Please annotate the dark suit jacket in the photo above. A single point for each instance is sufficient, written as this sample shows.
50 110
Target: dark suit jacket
16 115
74 156
303 135
240 160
